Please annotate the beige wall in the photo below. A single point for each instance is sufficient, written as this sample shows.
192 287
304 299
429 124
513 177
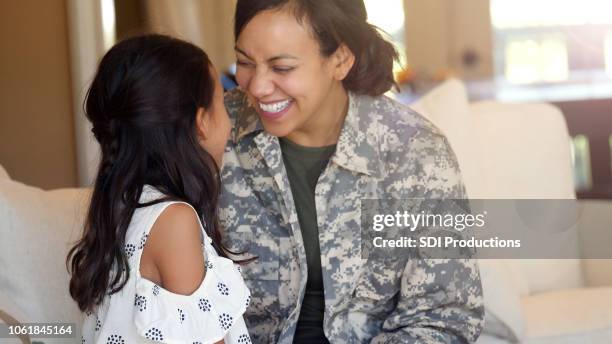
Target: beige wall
206 23
36 122
439 32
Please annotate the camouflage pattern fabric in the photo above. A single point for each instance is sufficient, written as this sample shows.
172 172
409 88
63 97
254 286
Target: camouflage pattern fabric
385 150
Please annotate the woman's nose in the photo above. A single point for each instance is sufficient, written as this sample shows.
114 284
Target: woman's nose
261 85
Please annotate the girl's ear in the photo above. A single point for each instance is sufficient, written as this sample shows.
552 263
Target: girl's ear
202 124
344 59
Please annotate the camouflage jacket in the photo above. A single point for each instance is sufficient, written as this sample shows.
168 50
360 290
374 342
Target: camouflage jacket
385 150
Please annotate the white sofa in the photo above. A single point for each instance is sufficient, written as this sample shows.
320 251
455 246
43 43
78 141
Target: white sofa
505 151
36 229
522 151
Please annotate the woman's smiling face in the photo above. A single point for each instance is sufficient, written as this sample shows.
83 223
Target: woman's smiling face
292 86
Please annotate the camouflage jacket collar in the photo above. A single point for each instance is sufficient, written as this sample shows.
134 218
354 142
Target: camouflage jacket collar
357 148
247 121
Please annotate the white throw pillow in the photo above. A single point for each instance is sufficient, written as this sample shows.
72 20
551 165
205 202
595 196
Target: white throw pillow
524 152
37 228
447 106
527 156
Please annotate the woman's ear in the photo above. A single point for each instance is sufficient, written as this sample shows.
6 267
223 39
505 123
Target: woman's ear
344 59
202 124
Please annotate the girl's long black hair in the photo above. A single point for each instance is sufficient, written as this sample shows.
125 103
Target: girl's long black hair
142 104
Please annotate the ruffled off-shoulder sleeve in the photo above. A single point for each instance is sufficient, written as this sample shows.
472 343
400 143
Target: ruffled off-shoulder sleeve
205 316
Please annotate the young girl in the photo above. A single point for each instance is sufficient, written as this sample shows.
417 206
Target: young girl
151 265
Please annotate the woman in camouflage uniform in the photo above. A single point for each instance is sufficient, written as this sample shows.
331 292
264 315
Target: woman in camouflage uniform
313 134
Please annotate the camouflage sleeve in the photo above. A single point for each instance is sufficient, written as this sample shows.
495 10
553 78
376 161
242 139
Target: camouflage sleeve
440 300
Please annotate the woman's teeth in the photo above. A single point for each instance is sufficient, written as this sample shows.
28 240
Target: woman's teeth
275 107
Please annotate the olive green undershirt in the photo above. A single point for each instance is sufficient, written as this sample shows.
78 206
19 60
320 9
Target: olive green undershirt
304 165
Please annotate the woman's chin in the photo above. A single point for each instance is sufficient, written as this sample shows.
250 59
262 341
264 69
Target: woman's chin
277 126
276 129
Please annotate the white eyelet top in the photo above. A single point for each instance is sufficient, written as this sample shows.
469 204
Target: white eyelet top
143 312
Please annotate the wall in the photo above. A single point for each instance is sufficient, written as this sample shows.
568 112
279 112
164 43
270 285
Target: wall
440 32
36 123
206 23
593 118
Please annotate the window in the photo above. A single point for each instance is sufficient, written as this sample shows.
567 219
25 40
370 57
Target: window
610 145
388 15
552 41
536 59
581 156
109 34
608 47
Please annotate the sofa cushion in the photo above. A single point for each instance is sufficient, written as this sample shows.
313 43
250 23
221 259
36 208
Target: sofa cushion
569 316
511 151
37 228
597 272
544 275
524 152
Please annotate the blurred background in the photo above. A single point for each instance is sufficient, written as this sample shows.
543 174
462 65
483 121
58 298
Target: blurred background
555 51
486 72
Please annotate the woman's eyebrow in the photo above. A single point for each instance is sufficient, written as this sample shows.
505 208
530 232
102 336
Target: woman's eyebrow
271 59
282 56
241 51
